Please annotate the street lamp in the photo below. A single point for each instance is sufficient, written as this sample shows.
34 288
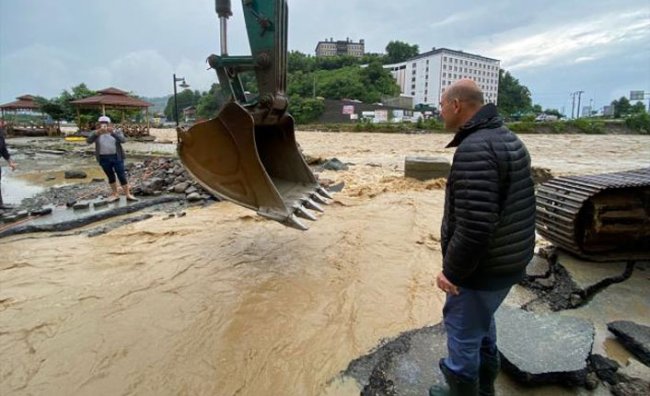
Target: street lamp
182 85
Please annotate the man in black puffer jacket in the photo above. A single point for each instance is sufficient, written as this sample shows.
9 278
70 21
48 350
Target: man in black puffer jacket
488 235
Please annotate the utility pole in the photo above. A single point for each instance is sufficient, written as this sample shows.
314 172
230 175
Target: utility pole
579 95
573 103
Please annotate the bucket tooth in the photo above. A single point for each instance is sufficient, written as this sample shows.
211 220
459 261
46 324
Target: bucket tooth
293 222
302 212
319 199
309 204
324 192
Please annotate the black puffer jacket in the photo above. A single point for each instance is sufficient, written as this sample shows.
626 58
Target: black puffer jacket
488 229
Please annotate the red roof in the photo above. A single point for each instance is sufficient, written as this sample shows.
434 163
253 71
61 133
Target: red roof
111 97
25 102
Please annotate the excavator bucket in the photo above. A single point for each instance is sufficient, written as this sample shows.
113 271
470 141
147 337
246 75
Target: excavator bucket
256 166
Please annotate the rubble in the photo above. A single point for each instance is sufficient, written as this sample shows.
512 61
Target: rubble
544 349
635 337
75 174
407 365
604 368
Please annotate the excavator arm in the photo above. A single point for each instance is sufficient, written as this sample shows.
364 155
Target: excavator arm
248 153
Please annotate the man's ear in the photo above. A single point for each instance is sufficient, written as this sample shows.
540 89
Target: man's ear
456 106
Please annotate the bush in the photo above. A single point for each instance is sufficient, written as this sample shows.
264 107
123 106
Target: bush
522 126
431 124
639 122
587 125
306 110
558 127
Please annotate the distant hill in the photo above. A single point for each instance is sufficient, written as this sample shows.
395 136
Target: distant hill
158 103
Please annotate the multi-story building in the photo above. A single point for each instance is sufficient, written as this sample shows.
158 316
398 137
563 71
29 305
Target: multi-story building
340 47
426 76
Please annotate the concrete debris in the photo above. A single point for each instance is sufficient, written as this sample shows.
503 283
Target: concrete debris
81 205
407 365
335 165
635 337
75 174
604 368
544 349
632 387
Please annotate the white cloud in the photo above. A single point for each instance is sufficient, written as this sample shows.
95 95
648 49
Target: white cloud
567 44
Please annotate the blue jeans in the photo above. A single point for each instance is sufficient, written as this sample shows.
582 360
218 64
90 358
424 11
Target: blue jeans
112 166
469 321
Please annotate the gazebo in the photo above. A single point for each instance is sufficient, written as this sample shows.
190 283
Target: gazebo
25 102
113 98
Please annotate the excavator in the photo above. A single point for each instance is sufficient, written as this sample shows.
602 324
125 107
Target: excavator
603 217
248 153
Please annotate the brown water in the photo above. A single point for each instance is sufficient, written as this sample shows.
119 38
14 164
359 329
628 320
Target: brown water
221 302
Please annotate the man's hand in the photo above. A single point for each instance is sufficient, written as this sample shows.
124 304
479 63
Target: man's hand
443 284
12 165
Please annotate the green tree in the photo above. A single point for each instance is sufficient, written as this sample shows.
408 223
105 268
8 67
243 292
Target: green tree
297 61
381 81
513 97
399 51
53 108
638 108
210 102
622 107
306 110
80 91
186 98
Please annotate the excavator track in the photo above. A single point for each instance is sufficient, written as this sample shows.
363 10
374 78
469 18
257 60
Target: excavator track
602 217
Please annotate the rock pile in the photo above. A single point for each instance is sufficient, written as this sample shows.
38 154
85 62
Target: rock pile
154 177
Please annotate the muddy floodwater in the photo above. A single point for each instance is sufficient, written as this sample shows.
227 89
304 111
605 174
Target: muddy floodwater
222 302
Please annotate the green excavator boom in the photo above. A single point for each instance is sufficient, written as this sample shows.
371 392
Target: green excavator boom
248 153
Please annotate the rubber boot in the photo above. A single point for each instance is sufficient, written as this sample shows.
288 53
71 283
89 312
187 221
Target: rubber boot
456 385
127 192
487 373
115 196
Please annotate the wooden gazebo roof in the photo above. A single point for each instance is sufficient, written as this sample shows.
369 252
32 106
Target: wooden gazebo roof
25 102
111 97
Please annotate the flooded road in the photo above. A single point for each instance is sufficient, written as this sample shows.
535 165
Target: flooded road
222 302
37 171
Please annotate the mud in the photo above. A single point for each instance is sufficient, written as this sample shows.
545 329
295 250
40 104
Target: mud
223 302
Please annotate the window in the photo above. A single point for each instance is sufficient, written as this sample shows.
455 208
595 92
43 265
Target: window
413 93
445 58
415 65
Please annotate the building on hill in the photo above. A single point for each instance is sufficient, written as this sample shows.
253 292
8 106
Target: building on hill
340 47
426 76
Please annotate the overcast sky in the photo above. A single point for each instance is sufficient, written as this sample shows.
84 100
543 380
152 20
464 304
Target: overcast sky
554 47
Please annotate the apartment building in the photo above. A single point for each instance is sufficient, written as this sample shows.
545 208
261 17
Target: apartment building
340 47
426 76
